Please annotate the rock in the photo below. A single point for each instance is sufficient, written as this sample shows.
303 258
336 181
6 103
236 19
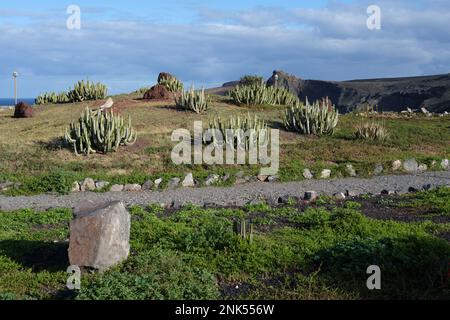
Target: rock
148 185
99 236
158 182
307 174
310 195
177 204
262 178
226 177
378 169
132 187
396 165
117 188
413 190
350 170
23 110
165 76
325 174
240 181
445 164
427 187
75 187
5 186
272 179
188 181
411 165
422 168
351 193
240 174
158 92
425 112
88 184
212 179
173 183
387 193
101 184
339 196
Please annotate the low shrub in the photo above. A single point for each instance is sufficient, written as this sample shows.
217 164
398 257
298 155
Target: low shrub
192 100
371 131
260 94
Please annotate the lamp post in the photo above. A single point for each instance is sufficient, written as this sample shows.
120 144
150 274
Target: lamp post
15 75
276 80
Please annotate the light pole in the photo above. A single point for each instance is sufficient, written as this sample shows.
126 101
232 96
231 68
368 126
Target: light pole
15 75
276 80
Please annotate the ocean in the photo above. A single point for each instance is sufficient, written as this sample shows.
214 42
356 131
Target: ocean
10 102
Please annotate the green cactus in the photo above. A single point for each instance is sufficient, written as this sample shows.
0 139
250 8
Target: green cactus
83 91
319 118
172 84
192 100
260 94
246 130
99 131
244 230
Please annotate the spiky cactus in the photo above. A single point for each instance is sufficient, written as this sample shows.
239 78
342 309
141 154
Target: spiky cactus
84 91
319 118
238 131
172 84
244 230
193 100
99 131
260 94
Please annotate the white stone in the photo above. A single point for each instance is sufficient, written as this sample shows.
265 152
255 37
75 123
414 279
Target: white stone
188 181
87 185
132 187
326 173
396 165
116 188
445 164
307 174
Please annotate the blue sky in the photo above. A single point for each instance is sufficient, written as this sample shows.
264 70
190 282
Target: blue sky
125 44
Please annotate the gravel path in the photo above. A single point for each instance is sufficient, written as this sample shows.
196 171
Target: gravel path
232 196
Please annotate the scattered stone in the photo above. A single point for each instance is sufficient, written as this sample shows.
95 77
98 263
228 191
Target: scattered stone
117 188
310 195
177 204
262 178
396 165
240 181
387 193
5 186
433 164
99 236
226 177
188 181
148 185
307 174
411 165
240 174
422 168
23 110
133 187
101 184
173 183
378 169
427 187
350 170
425 112
445 164
325 174
272 178
212 179
87 185
350 193
158 92
158 182
339 196
75 187
413 190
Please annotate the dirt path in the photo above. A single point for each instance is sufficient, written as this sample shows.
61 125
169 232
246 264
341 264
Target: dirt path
233 196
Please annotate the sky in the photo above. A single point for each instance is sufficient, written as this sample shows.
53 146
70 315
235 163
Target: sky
125 44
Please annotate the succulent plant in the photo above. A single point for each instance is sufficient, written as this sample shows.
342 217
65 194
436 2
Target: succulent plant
260 94
244 230
83 91
172 84
193 100
371 131
99 131
240 127
319 118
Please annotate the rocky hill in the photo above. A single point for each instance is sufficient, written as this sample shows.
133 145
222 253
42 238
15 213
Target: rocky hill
390 94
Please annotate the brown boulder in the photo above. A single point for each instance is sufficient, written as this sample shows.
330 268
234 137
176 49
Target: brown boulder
165 76
158 92
23 110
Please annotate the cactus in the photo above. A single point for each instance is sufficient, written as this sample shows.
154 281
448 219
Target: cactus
172 84
260 94
99 131
319 118
192 100
83 91
244 230
240 128
372 131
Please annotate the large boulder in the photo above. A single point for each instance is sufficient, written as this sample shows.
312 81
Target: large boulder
99 236
23 110
158 92
165 76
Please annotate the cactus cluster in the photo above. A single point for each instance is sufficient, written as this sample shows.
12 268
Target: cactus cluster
99 131
319 118
82 91
52 97
372 131
246 130
172 84
260 94
192 100
244 230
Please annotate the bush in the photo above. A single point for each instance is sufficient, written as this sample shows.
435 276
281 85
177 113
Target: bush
260 94
249 80
371 131
99 131
82 91
192 100
319 118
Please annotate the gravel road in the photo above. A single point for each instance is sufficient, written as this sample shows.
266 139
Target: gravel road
232 196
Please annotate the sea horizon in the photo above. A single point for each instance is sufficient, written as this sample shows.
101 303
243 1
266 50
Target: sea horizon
10 102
